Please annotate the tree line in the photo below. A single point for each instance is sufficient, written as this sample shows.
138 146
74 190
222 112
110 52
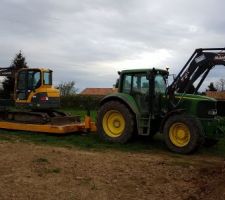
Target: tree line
217 86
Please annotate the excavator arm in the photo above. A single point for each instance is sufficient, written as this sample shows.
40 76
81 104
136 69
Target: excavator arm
198 65
7 71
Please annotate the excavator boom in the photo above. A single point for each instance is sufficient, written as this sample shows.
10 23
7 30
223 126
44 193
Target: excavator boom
7 71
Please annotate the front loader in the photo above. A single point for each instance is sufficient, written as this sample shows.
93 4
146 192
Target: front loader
145 105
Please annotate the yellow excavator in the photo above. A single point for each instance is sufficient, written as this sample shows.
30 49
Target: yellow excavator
39 99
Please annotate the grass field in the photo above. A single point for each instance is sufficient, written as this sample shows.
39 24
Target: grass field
92 141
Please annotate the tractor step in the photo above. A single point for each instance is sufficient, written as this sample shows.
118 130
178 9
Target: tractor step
144 126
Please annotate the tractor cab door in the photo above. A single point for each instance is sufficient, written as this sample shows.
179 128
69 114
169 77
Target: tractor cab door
27 81
137 86
159 92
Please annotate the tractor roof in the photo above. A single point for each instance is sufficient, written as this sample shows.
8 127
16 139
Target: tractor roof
130 71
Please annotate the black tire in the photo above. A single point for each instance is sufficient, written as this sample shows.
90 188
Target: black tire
104 122
210 142
192 134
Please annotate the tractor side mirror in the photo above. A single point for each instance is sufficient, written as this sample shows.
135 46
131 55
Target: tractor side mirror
117 83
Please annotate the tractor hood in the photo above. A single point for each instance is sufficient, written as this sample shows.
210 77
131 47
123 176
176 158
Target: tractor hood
197 105
194 97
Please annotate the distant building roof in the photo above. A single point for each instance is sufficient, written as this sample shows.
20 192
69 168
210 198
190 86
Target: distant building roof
98 91
216 95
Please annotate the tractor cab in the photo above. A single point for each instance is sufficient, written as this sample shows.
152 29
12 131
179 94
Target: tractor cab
34 89
146 87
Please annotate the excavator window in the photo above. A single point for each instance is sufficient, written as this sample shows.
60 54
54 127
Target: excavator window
21 85
48 78
34 79
27 81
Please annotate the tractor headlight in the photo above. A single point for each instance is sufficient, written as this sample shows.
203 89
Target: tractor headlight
206 109
212 112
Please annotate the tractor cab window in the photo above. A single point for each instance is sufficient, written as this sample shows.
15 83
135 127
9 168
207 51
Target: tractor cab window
140 91
135 84
127 84
140 84
48 78
160 84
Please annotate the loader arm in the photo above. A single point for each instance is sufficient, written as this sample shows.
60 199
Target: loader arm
198 65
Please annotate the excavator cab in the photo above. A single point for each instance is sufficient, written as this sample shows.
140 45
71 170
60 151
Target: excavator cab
34 89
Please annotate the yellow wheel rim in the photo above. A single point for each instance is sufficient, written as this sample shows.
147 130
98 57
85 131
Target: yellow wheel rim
179 134
113 123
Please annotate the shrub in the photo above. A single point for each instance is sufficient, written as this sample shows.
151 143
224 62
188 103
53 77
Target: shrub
87 102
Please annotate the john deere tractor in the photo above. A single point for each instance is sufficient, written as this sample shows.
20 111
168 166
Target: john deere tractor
145 105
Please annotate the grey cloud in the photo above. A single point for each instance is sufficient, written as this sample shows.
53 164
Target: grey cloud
84 39
25 18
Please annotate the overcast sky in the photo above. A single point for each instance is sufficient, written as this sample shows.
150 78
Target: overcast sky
88 41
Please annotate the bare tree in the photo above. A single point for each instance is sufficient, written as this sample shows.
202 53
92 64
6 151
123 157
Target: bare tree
220 85
67 88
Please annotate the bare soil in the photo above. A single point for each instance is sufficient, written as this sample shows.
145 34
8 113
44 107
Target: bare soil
30 171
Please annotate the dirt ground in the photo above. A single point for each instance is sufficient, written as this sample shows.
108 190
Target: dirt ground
29 171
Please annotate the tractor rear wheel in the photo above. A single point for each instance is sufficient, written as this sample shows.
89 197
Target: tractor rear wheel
182 134
115 122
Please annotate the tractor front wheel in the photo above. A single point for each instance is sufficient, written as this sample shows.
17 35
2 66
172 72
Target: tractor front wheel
115 122
182 134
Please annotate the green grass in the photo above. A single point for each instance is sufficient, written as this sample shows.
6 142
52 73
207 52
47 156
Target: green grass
53 170
218 149
41 160
91 141
78 140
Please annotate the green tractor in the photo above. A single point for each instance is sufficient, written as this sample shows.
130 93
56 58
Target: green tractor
145 105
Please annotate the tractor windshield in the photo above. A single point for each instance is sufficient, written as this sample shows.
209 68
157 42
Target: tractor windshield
160 84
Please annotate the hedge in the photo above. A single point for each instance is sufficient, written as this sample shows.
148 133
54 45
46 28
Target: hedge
78 101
